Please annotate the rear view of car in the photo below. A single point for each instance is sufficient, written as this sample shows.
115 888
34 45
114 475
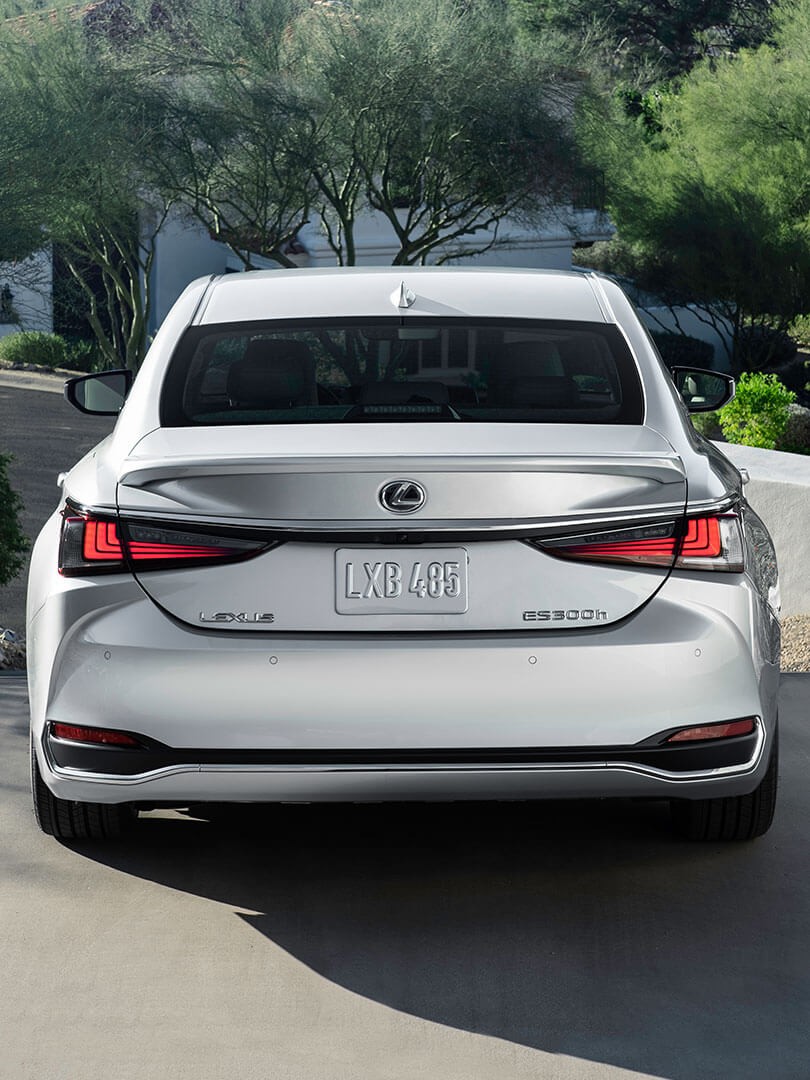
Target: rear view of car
403 534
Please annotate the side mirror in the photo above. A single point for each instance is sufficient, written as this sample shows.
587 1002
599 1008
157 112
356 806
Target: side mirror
701 390
102 394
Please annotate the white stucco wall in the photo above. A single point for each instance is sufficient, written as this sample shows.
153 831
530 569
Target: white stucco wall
779 491
31 284
184 250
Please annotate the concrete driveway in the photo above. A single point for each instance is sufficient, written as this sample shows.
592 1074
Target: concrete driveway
376 942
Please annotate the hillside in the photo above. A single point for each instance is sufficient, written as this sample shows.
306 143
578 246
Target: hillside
12 9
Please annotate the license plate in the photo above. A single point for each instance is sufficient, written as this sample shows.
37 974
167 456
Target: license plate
401 581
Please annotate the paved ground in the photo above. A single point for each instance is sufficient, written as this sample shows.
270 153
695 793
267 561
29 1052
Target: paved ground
390 943
46 436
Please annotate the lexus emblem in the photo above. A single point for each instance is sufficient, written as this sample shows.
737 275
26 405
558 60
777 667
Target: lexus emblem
402 497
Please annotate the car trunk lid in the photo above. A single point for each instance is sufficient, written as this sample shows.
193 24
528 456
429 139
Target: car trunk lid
343 561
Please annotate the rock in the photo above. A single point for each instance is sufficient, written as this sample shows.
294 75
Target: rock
796 438
12 651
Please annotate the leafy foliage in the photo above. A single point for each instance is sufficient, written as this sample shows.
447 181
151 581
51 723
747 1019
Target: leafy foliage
437 115
13 543
652 40
761 347
78 128
758 415
33 347
714 196
708 424
84 355
799 330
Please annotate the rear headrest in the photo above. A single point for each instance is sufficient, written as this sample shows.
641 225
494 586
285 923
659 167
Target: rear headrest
273 374
521 360
541 392
528 358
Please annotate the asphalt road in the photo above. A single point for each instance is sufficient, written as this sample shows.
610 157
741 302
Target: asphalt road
400 943
46 436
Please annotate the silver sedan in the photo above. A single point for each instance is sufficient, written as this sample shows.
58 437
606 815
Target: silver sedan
403 534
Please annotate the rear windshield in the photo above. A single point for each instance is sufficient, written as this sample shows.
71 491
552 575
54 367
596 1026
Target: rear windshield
397 370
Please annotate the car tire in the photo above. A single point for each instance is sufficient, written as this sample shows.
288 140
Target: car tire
68 820
740 817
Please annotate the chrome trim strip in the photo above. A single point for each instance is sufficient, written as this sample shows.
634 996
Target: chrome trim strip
137 473
713 506
630 514
601 298
676 779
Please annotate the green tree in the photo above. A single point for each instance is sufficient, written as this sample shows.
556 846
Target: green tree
714 196
437 115
79 131
646 41
236 143
13 543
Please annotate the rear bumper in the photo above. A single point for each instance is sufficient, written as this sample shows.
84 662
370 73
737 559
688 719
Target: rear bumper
484 716
656 757
322 782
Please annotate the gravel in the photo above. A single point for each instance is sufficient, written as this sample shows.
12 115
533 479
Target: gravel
796 643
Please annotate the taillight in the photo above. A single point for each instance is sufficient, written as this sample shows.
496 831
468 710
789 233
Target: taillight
714 731
702 543
93 544
89 545
98 736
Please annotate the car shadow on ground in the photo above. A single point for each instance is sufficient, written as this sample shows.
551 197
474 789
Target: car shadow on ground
576 928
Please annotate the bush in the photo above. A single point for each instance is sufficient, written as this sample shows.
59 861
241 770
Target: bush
796 437
799 330
708 424
33 347
679 350
760 347
759 414
83 355
13 544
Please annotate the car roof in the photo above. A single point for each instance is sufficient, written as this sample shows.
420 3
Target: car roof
340 292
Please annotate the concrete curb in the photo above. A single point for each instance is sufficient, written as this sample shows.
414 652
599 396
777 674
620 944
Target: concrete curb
50 380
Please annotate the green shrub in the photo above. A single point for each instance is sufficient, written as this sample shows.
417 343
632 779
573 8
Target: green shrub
13 544
707 423
83 355
760 347
33 347
758 415
796 437
799 330
679 350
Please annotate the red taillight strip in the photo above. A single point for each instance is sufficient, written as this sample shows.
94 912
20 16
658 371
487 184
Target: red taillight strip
703 539
714 731
101 541
140 550
624 550
99 736
93 544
